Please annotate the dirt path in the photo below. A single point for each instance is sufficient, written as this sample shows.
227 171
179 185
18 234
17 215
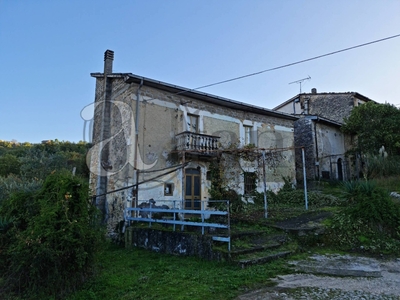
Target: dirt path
335 277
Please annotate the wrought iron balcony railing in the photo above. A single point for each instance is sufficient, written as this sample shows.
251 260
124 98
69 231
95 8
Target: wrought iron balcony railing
196 142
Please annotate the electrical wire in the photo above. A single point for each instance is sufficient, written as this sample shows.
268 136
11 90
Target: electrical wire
254 74
291 64
139 183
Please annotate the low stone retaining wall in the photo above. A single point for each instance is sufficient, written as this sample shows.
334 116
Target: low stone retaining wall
172 242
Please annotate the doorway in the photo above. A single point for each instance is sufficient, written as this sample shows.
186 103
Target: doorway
340 169
192 189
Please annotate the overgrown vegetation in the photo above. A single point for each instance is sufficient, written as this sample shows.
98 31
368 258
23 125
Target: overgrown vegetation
370 221
49 232
49 238
375 125
24 166
381 167
249 164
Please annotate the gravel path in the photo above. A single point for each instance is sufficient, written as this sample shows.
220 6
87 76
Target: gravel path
310 286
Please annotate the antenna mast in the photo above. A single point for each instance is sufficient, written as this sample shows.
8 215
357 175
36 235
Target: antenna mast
300 81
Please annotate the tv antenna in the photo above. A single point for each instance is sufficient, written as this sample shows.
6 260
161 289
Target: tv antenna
300 81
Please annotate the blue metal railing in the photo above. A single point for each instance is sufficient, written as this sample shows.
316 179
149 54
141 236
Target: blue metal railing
181 221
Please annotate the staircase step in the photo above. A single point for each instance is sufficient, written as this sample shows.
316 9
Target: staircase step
241 234
262 259
255 249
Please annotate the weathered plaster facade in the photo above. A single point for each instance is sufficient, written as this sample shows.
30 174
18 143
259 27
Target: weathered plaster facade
138 125
332 106
318 131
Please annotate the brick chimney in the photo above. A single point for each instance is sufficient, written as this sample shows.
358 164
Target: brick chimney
108 61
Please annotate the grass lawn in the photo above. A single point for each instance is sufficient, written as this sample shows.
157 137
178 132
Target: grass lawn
141 274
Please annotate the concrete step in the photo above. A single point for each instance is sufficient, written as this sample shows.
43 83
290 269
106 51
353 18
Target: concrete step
235 253
262 259
242 234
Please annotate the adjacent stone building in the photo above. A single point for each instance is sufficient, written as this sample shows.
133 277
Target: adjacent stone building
318 130
154 140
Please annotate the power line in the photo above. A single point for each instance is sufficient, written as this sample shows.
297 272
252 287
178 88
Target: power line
139 183
283 66
295 63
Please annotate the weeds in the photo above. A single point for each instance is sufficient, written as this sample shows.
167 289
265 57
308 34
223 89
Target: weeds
369 222
140 274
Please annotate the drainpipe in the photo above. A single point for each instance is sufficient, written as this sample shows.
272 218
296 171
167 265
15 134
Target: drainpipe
136 191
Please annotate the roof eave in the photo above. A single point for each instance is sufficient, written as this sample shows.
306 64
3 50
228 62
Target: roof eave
132 78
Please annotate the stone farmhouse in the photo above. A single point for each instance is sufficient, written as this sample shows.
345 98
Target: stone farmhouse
157 141
318 130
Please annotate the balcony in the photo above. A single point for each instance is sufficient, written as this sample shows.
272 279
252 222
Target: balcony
197 143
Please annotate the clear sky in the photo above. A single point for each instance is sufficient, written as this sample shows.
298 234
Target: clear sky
49 48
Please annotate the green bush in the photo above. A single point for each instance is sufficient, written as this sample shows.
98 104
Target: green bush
55 235
12 183
295 198
378 167
370 221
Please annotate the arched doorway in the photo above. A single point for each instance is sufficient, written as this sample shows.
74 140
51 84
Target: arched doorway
340 169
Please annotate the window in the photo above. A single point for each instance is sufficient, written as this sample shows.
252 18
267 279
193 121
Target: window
193 123
250 182
247 134
168 189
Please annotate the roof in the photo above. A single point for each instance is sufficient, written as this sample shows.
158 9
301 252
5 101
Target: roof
324 121
348 94
132 78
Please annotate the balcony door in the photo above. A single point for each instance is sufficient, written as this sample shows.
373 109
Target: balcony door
193 123
192 189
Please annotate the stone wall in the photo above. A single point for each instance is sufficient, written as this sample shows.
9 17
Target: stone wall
172 242
332 106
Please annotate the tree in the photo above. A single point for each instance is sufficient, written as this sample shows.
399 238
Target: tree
9 164
375 125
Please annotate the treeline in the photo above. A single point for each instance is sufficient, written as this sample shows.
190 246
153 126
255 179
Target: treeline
25 166
38 160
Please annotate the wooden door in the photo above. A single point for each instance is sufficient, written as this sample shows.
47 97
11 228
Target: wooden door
192 189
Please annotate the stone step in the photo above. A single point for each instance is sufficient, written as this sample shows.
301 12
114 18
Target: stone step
238 252
254 235
243 263
242 234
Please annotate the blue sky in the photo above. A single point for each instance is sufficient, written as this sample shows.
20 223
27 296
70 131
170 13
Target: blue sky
49 48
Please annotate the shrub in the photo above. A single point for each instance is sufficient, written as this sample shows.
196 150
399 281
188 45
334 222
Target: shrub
378 167
370 221
295 198
52 245
12 183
